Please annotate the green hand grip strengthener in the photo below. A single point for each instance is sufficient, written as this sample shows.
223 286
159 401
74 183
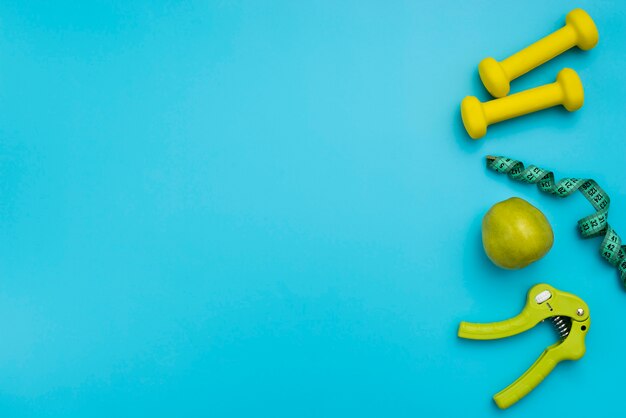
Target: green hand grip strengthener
570 316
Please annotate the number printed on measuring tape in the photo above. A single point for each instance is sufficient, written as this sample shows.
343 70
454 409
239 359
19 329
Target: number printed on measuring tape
593 225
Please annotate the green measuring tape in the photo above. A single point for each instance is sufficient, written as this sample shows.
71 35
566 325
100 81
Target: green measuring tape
590 226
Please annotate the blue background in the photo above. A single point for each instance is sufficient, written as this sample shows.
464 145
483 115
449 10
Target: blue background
272 209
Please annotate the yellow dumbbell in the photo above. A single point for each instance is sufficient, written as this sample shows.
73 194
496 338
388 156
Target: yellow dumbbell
579 30
567 90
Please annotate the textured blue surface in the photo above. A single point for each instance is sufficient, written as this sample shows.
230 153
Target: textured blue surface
242 209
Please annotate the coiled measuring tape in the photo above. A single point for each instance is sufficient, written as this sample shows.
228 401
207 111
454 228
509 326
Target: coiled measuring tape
593 225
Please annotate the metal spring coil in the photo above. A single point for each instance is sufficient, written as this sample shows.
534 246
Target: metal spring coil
563 325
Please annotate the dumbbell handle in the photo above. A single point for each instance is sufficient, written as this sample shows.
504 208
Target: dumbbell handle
524 102
540 52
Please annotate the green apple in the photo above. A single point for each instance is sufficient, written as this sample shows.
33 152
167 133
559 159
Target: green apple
515 234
